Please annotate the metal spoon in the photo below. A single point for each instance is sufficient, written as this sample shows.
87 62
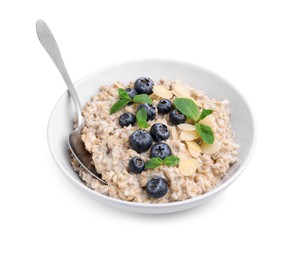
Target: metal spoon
76 145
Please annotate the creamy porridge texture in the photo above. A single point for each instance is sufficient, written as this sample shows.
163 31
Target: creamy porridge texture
199 166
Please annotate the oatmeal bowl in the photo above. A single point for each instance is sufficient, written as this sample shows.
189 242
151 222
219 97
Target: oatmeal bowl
165 135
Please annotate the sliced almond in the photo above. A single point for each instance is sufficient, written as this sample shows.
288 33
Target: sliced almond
187 166
186 127
179 95
194 146
194 149
118 84
176 93
160 89
193 153
162 92
210 148
182 90
189 136
207 121
182 155
168 95
174 133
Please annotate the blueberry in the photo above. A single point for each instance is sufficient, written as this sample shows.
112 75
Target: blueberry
136 165
160 150
140 141
151 110
177 117
164 106
127 119
157 187
144 85
159 132
131 92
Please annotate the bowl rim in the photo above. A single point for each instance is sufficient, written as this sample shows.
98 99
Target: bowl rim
204 196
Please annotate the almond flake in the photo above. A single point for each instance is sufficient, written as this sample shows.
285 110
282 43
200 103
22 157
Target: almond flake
176 93
194 146
193 153
210 148
186 127
162 92
189 136
182 90
174 133
181 155
187 166
160 89
118 84
207 121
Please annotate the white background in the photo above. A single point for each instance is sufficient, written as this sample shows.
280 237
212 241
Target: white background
256 45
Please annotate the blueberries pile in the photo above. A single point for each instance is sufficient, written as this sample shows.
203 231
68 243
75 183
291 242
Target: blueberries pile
142 140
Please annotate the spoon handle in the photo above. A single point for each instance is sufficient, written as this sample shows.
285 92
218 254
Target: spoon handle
49 43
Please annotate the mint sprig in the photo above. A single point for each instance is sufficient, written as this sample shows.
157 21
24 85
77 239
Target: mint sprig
123 94
141 118
205 133
205 112
142 98
153 163
119 105
187 107
124 99
156 162
171 160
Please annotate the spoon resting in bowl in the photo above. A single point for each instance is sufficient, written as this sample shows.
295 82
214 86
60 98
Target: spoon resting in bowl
75 143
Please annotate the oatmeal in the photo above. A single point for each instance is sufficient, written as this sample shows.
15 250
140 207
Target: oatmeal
156 142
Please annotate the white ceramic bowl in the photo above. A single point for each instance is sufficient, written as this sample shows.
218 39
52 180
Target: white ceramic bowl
60 123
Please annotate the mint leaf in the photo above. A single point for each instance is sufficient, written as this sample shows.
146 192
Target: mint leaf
171 160
205 132
187 107
123 94
141 118
153 163
119 105
143 98
205 112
